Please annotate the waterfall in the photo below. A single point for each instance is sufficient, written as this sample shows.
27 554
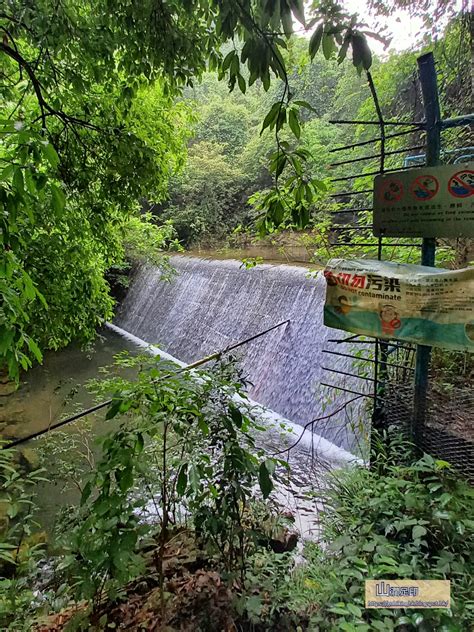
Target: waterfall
210 304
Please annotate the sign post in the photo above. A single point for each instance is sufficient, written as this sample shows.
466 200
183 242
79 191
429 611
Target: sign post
429 89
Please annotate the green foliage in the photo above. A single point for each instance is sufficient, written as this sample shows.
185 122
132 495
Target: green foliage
20 549
296 144
103 544
79 147
144 240
208 198
183 446
404 518
89 127
225 121
452 370
68 196
269 590
397 521
291 206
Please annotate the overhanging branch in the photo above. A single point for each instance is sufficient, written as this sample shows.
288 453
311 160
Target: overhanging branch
45 109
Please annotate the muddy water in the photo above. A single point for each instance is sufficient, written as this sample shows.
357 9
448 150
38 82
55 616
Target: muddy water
57 388
50 392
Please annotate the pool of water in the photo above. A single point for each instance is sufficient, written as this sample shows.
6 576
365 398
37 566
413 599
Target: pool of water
293 254
50 391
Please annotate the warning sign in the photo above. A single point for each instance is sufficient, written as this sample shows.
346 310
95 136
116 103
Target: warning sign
425 202
425 187
391 191
461 185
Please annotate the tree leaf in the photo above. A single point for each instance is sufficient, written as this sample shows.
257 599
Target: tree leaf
50 154
86 492
305 104
270 465
297 7
18 182
270 118
228 59
58 199
361 55
203 427
343 50
33 347
294 123
355 610
329 45
418 531
182 480
7 173
125 478
236 416
286 19
114 407
194 477
280 165
315 41
28 286
264 480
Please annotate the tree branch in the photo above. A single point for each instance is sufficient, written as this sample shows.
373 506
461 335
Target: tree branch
45 108
22 63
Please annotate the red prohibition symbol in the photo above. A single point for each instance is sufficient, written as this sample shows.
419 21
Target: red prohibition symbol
424 187
391 191
461 184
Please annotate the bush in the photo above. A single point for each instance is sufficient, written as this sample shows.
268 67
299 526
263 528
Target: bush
185 453
407 521
20 547
208 200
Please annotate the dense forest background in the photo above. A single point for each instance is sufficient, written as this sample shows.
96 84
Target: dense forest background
213 199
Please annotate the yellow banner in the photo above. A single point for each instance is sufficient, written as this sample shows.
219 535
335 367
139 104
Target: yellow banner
428 306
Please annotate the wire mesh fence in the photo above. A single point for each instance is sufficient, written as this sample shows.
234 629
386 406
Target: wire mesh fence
447 429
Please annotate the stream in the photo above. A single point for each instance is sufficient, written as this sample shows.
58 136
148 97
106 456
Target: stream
57 388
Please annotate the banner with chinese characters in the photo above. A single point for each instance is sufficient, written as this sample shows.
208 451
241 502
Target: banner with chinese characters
418 304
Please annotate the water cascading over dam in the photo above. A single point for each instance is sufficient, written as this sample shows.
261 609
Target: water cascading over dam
211 304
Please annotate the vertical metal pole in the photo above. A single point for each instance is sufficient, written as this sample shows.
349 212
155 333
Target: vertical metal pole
381 347
429 89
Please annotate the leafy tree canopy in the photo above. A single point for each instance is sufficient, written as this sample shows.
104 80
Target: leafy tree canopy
84 135
89 126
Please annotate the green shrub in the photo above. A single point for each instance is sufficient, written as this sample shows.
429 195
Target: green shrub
20 546
408 521
184 451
